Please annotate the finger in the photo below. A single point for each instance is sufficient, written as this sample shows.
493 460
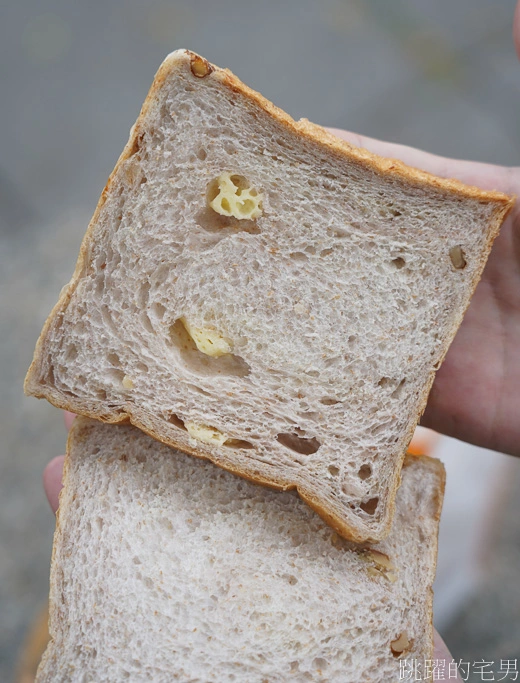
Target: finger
485 176
516 29
68 418
440 651
52 476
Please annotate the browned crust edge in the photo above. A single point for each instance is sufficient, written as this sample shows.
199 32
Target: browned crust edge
54 615
337 147
436 465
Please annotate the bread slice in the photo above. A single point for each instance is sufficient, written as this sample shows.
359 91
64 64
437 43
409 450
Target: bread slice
254 291
167 568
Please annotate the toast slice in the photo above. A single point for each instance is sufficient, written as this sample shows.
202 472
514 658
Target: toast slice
254 291
166 568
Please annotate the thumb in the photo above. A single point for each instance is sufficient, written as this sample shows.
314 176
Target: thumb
52 476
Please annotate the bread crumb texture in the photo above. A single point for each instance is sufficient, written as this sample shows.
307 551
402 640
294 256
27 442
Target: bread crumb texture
252 274
169 568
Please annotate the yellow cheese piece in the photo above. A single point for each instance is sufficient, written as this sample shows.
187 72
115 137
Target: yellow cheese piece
206 434
235 199
207 340
127 382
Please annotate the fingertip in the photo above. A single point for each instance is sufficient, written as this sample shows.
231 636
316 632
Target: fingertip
441 652
68 417
347 135
52 481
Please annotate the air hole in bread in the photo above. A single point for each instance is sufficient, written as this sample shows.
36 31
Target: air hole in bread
71 354
114 360
457 257
158 310
312 373
338 233
296 443
298 256
333 470
401 645
309 414
326 252
201 154
212 222
147 323
370 506
228 147
399 262
116 376
161 274
329 362
286 144
200 363
176 421
329 401
365 471
133 172
144 292
238 443
198 390
392 384
320 664
396 393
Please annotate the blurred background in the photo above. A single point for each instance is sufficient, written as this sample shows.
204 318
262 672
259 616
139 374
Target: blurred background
438 75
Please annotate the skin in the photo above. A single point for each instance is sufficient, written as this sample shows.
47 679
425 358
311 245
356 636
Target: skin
477 390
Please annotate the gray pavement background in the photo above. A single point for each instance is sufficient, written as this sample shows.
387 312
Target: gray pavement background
439 75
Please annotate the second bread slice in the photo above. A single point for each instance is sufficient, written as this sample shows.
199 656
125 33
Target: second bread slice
166 568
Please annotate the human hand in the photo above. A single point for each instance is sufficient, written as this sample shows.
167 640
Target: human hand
476 392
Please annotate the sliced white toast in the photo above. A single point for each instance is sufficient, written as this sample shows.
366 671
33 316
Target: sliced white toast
166 569
254 291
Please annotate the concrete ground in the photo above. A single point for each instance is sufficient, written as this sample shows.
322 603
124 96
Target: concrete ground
439 75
